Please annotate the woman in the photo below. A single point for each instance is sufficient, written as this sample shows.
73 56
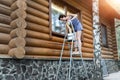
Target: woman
77 28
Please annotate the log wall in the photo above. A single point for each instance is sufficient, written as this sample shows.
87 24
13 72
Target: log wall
108 52
5 20
25 27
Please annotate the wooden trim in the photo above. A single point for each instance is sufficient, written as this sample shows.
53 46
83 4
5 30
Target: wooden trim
50 19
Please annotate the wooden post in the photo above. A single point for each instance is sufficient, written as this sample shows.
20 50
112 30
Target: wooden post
50 20
96 41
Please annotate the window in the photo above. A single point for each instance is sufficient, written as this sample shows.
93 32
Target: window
104 35
58 27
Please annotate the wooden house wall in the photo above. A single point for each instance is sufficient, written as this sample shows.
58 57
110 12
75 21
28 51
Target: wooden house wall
28 34
109 52
5 20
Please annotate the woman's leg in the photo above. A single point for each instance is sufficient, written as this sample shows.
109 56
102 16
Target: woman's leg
78 42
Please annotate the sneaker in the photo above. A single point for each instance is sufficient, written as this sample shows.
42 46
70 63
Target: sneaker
76 53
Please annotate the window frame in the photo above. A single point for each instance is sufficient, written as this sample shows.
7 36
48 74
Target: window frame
66 10
104 35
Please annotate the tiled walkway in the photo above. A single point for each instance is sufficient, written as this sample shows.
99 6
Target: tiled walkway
113 76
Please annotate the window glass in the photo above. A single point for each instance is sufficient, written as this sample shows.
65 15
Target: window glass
57 25
104 35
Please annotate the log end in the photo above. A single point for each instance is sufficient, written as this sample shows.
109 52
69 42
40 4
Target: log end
18 52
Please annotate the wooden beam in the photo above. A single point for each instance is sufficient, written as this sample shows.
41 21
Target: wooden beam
37 6
5 25
44 44
37 13
44 51
87 36
38 35
88 27
4 38
37 20
88 45
7 2
5 9
37 27
43 2
5 30
5 19
4 49
87 31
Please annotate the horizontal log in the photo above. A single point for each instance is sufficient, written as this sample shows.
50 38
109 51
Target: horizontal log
88 50
107 56
37 6
43 2
115 51
106 49
5 30
87 36
87 14
38 35
87 22
43 43
115 55
17 42
37 20
87 31
5 9
50 52
18 52
7 2
36 27
5 19
18 13
18 23
44 51
88 40
107 52
18 32
46 57
19 4
5 25
4 38
87 45
37 13
87 55
4 49
86 18
88 27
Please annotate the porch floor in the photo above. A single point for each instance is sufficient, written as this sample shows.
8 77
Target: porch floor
113 76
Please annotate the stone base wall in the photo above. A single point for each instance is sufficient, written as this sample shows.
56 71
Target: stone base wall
13 69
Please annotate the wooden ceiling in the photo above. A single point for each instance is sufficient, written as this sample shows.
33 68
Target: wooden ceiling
105 10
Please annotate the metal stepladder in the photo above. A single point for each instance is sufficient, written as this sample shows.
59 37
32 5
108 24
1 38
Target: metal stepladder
71 39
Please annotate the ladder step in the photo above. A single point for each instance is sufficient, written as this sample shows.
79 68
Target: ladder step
76 53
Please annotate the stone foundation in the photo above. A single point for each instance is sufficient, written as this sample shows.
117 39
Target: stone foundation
13 69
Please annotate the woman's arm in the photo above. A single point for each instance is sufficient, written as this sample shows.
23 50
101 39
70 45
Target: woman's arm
74 16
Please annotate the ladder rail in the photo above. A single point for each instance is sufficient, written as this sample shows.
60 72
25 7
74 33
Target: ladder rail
71 51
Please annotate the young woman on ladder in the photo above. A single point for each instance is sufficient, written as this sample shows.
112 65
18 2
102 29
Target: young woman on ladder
73 18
